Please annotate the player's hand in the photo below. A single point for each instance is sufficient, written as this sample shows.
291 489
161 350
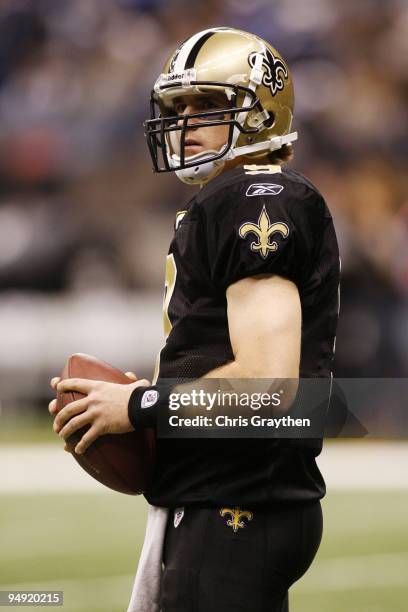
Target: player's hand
52 406
104 408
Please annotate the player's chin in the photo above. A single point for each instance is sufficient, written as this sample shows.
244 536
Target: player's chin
191 150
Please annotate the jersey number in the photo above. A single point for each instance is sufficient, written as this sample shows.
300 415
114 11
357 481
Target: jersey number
169 284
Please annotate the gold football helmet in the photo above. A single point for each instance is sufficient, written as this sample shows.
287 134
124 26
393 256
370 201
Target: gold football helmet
258 90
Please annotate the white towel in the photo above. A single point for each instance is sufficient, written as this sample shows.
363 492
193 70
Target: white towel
146 589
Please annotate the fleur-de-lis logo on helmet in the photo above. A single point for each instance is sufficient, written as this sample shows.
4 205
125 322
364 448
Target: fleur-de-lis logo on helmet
275 71
236 515
263 230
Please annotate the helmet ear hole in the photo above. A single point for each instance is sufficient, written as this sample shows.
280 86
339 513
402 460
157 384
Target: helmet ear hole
270 121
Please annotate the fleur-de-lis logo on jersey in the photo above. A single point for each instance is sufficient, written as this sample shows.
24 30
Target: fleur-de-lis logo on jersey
236 515
263 231
275 71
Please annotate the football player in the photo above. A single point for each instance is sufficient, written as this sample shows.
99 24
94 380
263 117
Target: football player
252 281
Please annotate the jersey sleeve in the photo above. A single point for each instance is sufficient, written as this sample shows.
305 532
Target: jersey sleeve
265 229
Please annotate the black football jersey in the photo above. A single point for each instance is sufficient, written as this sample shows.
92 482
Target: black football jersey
247 221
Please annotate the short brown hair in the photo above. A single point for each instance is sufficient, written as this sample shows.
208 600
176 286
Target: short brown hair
280 156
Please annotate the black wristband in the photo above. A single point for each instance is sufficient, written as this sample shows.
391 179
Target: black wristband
144 404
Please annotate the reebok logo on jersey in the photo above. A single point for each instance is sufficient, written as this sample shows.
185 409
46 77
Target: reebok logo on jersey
260 189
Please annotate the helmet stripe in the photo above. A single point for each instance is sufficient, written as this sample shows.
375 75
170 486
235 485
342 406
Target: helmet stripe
192 56
184 51
189 50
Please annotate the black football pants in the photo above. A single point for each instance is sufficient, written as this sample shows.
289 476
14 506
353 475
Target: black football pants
211 565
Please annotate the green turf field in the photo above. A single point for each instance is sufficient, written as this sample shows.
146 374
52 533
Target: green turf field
88 545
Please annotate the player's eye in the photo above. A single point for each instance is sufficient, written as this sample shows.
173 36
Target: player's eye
211 104
179 108
198 105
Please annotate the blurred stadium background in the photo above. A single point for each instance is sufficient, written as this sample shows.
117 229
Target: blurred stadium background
84 229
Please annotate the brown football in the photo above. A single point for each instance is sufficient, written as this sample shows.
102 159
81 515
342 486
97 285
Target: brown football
122 462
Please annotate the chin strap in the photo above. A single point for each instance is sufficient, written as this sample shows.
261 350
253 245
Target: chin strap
201 173
206 171
267 145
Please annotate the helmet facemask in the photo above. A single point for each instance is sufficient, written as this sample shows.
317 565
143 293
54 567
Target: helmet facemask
166 132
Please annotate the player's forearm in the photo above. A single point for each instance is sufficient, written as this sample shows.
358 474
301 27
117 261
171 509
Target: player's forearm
254 368
252 376
238 378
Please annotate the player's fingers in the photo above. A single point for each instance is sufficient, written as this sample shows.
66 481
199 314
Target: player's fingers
90 436
74 424
68 412
82 385
54 382
132 376
52 407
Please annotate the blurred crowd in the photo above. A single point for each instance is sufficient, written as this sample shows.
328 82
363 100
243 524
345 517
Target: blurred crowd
79 206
